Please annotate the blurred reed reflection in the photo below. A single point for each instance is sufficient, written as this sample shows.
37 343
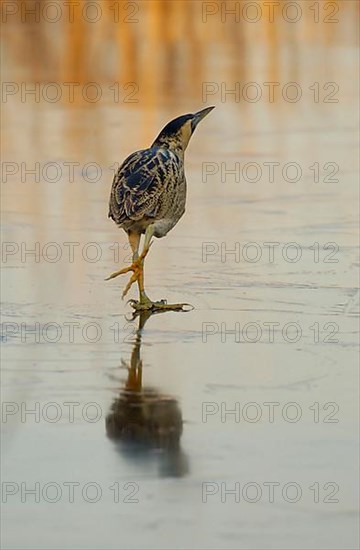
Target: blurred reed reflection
104 86
144 423
168 49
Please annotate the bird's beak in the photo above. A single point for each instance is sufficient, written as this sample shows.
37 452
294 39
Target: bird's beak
200 115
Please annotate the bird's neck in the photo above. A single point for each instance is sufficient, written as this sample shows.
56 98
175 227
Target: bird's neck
172 144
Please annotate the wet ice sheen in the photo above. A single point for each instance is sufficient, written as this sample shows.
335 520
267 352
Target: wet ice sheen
150 443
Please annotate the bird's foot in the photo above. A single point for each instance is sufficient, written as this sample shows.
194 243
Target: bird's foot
161 305
137 267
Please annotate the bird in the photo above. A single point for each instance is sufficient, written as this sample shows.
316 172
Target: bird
148 196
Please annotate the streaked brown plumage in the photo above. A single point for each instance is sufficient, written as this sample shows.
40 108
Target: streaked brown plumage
148 196
149 187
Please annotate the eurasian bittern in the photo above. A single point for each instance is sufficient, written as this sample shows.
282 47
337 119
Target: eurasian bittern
148 196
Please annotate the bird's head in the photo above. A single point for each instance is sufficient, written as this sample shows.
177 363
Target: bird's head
177 133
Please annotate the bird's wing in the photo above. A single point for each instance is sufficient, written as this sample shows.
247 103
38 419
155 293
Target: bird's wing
139 183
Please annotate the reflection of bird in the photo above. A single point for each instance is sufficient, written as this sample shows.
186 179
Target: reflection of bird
143 420
148 196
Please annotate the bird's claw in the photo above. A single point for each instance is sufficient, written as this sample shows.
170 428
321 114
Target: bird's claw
136 267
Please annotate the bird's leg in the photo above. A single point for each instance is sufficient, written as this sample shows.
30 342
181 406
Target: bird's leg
137 266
